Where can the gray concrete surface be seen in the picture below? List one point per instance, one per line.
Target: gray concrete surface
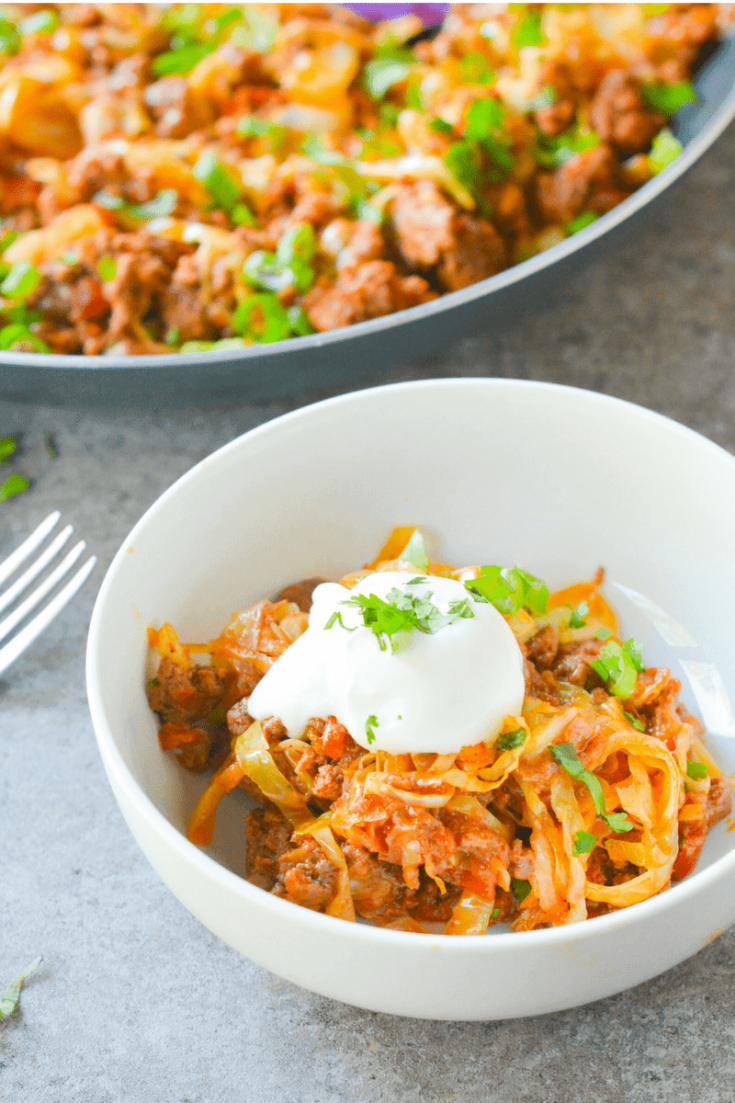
(135, 1001)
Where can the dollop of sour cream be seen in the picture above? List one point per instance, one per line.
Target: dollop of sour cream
(436, 692)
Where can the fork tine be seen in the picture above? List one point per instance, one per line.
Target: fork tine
(35, 569)
(22, 610)
(10, 652)
(29, 545)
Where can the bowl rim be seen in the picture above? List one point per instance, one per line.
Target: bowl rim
(207, 867)
(692, 151)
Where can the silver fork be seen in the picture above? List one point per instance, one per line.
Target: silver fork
(8, 567)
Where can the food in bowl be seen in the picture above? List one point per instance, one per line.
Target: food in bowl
(433, 745)
(188, 177)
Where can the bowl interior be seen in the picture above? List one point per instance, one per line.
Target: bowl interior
(554, 479)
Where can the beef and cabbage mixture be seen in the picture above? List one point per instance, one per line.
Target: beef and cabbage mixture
(595, 793)
(192, 176)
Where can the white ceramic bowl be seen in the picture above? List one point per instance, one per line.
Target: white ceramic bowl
(556, 479)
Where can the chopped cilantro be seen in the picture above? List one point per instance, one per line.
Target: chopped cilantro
(603, 633)
(417, 581)
(370, 725)
(21, 281)
(461, 609)
(415, 551)
(440, 126)
(634, 721)
(173, 336)
(667, 98)
(107, 267)
(401, 613)
(9, 998)
(665, 148)
(697, 771)
(336, 618)
(70, 257)
(51, 445)
(495, 913)
(566, 756)
(584, 842)
(619, 666)
(581, 222)
(618, 821)
(520, 889)
(578, 615)
(220, 181)
(509, 589)
(527, 31)
(511, 740)
(14, 484)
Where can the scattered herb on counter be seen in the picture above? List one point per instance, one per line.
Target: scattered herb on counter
(9, 999)
(13, 486)
(51, 445)
(7, 448)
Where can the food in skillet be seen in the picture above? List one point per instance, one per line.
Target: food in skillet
(442, 746)
(193, 176)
